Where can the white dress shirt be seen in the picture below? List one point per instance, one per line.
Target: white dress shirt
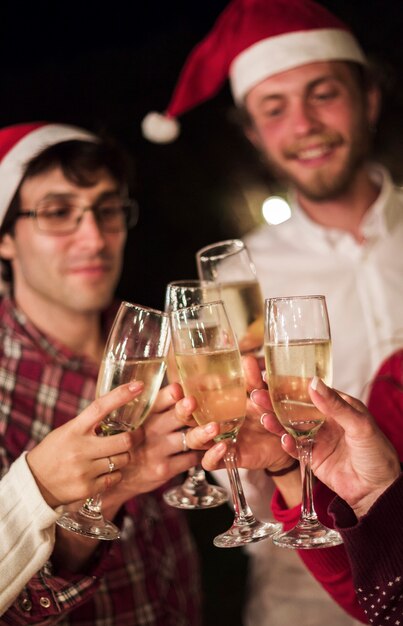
(363, 283)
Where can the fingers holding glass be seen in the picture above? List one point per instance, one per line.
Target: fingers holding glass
(136, 348)
(229, 265)
(209, 366)
(195, 492)
(298, 348)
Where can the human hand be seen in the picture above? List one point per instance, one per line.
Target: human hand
(160, 455)
(255, 448)
(71, 463)
(351, 455)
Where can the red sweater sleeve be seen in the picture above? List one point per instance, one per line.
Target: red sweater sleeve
(330, 566)
(386, 400)
(376, 568)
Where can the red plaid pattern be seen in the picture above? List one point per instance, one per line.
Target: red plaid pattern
(149, 577)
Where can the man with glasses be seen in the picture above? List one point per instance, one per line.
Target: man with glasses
(65, 212)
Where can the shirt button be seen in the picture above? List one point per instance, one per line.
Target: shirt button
(26, 604)
(45, 602)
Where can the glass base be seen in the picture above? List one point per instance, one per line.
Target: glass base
(95, 527)
(308, 535)
(241, 534)
(189, 497)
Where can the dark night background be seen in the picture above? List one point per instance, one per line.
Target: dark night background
(104, 69)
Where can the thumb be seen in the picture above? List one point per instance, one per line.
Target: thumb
(184, 409)
(101, 407)
(253, 375)
(347, 412)
(198, 438)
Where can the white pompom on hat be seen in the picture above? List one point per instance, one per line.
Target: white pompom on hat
(160, 128)
(21, 143)
(250, 41)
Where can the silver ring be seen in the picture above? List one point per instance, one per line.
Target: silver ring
(185, 447)
(111, 464)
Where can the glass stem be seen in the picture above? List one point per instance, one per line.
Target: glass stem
(304, 447)
(197, 473)
(92, 507)
(195, 483)
(243, 514)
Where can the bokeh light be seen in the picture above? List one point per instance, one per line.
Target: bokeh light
(276, 210)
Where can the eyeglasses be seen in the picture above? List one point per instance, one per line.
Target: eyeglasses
(60, 217)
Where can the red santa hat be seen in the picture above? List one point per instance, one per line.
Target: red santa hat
(250, 41)
(21, 143)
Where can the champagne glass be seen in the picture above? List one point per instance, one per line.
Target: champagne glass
(297, 348)
(209, 364)
(195, 492)
(136, 348)
(229, 264)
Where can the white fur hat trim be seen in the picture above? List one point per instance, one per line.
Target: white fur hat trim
(13, 165)
(287, 51)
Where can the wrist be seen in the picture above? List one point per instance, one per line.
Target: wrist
(284, 470)
(289, 485)
(49, 498)
(362, 506)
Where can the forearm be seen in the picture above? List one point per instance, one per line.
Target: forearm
(74, 552)
(26, 530)
(47, 598)
(289, 485)
(55, 586)
(55, 591)
(375, 548)
(330, 566)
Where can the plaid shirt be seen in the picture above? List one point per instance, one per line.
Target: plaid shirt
(150, 576)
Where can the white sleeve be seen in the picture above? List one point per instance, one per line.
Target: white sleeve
(27, 530)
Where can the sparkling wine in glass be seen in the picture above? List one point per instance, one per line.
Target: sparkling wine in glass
(297, 348)
(229, 264)
(137, 348)
(195, 492)
(209, 364)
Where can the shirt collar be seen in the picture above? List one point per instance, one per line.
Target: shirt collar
(376, 223)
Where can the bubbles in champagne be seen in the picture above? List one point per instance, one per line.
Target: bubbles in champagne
(114, 373)
(244, 304)
(216, 380)
(290, 369)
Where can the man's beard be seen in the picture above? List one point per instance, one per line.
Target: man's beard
(325, 184)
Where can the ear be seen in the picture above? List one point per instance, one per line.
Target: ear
(7, 247)
(252, 135)
(373, 105)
